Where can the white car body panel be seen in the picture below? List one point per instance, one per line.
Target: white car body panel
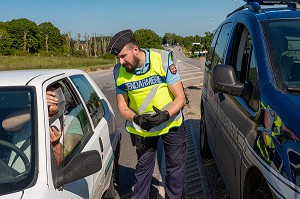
(44, 188)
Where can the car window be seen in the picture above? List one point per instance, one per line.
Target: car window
(285, 52)
(91, 99)
(73, 122)
(17, 138)
(245, 63)
(218, 56)
(212, 45)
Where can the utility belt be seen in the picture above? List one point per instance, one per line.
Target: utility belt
(144, 143)
(147, 143)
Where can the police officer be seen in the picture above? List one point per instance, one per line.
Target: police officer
(150, 97)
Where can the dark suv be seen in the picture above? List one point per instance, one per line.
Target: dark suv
(250, 104)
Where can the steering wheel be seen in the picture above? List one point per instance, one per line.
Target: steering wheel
(18, 152)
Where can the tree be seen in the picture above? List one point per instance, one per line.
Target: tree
(87, 38)
(167, 39)
(67, 46)
(196, 48)
(187, 42)
(206, 40)
(24, 34)
(148, 39)
(5, 43)
(95, 45)
(51, 37)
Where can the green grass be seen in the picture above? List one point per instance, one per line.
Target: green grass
(31, 62)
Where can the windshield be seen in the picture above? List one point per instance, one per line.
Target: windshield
(283, 42)
(16, 138)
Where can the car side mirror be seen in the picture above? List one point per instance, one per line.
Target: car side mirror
(82, 165)
(224, 80)
(208, 64)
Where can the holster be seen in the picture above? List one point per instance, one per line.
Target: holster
(144, 143)
(133, 141)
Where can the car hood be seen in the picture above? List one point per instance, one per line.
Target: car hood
(15, 195)
(295, 100)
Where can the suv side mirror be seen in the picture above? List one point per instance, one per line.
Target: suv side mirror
(82, 165)
(208, 64)
(224, 80)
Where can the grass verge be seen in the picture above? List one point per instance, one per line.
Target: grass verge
(30, 62)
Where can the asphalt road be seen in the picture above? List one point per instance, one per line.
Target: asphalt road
(197, 185)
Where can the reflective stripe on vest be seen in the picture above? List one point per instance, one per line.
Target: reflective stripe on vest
(149, 89)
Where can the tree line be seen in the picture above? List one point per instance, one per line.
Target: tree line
(25, 37)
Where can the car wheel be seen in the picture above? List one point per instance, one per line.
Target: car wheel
(114, 181)
(111, 192)
(116, 166)
(262, 193)
(204, 148)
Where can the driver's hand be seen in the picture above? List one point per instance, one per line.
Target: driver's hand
(55, 135)
(52, 103)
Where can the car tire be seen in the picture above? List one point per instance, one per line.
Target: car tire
(111, 192)
(114, 181)
(116, 172)
(262, 193)
(204, 148)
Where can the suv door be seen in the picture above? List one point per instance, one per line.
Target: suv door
(216, 55)
(234, 111)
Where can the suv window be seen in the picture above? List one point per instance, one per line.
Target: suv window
(285, 52)
(213, 45)
(73, 121)
(90, 97)
(245, 63)
(218, 56)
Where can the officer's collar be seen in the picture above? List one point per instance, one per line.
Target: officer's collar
(145, 68)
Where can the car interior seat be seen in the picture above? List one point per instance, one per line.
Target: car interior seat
(286, 62)
(14, 121)
(18, 124)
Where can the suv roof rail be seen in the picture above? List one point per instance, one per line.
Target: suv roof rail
(271, 2)
(250, 6)
(255, 5)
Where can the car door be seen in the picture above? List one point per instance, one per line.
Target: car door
(77, 137)
(215, 54)
(234, 111)
(100, 115)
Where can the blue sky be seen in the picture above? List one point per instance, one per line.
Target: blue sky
(106, 17)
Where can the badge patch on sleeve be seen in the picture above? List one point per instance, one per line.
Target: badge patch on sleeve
(173, 69)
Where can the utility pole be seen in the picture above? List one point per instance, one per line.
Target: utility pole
(234, 3)
(25, 41)
(46, 43)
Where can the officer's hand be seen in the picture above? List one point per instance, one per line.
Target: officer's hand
(158, 118)
(141, 120)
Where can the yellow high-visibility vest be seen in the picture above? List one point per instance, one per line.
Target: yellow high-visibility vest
(149, 89)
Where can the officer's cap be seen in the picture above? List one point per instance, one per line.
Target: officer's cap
(119, 40)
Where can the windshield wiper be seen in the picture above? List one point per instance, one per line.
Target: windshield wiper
(295, 89)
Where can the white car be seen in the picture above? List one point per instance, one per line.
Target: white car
(90, 141)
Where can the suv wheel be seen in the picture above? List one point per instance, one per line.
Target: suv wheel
(262, 193)
(204, 148)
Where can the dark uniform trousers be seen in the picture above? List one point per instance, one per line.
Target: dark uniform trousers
(175, 153)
